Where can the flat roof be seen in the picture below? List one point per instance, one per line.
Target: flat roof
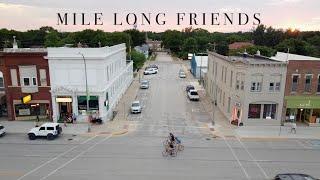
(25, 50)
(248, 59)
(281, 56)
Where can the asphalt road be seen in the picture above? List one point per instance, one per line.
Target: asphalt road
(137, 155)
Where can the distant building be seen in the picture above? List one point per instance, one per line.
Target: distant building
(198, 64)
(247, 89)
(154, 45)
(239, 45)
(144, 49)
(302, 91)
(108, 74)
(27, 83)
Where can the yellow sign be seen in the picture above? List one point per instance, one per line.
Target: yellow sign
(26, 99)
(63, 99)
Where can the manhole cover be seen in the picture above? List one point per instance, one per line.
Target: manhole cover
(73, 135)
(208, 139)
(70, 139)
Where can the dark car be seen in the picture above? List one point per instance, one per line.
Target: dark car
(189, 87)
(294, 176)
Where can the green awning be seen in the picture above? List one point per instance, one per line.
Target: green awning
(306, 102)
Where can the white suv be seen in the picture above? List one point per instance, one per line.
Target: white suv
(2, 130)
(49, 130)
(193, 95)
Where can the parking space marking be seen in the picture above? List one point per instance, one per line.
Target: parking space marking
(76, 157)
(51, 160)
(236, 157)
(254, 160)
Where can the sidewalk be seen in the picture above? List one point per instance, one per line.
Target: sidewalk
(278, 132)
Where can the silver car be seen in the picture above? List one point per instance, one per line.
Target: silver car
(144, 84)
(135, 107)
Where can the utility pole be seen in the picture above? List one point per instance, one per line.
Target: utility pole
(87, 91)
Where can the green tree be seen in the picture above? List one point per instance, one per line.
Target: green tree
(138, 38)
(138, 59)
(190, 45)
(52, 39)
(296, 46)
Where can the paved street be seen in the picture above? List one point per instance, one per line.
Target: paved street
(137, 154)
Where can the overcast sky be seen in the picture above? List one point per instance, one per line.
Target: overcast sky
(32, 14)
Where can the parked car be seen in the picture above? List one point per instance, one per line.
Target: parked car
(49, 130)
(294, 176)
(193, 95)
(182, 74)
(144, 84)
(153, 66)
(135, 107)
(189, 87)
(2, 130)
(150, 71)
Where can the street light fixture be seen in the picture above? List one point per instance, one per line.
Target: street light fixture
(87, 91)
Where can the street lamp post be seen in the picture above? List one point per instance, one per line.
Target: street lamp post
(87, 91)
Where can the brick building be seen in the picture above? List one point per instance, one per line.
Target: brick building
(26, 75)
(302, 92)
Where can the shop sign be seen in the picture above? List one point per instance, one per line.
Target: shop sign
(26, 99)
(24, 112)
(63, 99)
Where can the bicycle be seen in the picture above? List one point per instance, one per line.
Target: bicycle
(169, 151)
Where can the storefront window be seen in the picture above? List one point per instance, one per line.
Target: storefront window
(30, 109)
(254, 111)
(269, 111)
(93, 104)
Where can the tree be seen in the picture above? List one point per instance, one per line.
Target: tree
(296, 46)
(138, 38)
(264, 50)
(222, 48)
(52, 39)
(173, 40)
(190, 45)
(258, 35)
(138, 59)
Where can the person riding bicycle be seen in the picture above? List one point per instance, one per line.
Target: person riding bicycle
(174, 139)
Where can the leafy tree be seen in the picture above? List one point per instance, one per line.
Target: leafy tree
(138, 59)
(222, 48)
(190, 45)
(264, 50)
(296, 46)
(52, 39)
(138, 38)
(173, 40)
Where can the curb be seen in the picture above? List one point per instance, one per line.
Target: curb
(118, 133)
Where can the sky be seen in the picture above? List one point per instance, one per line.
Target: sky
(22, 15)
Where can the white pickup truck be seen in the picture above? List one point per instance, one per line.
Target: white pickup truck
(49, 130)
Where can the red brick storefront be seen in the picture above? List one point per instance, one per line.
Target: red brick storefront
(302, 92)
(26, 72)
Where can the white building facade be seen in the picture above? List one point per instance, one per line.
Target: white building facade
(247, 89)
(108, 77)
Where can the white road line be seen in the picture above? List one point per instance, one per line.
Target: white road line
(236, 157)
(255, 161)
(47, 162)
(301, 144)
(76, 157)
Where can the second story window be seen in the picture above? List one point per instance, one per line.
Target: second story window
(255, 87)
(307, 87)
(26, 81)
(294, 84)
(274, 86)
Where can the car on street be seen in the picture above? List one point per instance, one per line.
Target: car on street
(150, 71)
(193, 95)
(189, 87)
(294, 176)
(153, 66)
(48, 130)
(2, 130)
(144, 84)
(182, 74)
(135, 107)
